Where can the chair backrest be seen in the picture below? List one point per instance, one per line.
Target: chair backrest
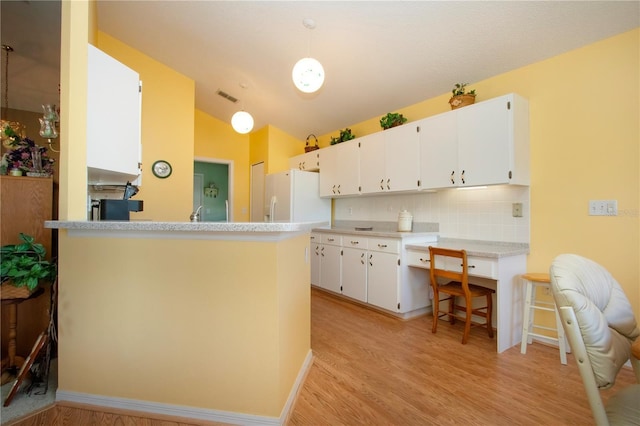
(438, 269)
(598, 321)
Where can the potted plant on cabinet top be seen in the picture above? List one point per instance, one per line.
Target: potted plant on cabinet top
(345, 135)
(23, 267)
(461, 97)
(392, 119)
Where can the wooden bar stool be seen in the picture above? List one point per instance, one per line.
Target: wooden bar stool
(531, 304)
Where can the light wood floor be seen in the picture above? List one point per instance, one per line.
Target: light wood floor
(373, 369)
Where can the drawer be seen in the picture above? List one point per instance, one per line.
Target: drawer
(332, 239)
(315, 238)
(417, 258)
(478, 266)
(386, 245)
(354, 241)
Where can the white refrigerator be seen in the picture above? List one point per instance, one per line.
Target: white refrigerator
(294, 196)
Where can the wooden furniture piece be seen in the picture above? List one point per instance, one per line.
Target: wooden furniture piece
(458, 286)
(635, 348)
(534, 281)
(25, 204)
(599, 322)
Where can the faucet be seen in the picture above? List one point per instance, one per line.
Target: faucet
(195, 216)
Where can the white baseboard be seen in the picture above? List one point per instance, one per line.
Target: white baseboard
(190, 412)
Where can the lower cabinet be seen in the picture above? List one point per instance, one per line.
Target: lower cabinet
(315, 259)
(370, 270)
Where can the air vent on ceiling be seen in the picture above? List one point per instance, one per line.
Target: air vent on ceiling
(227, 96)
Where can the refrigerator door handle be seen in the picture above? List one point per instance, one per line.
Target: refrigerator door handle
(272, 207)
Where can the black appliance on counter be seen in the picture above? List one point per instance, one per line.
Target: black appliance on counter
(119, 209)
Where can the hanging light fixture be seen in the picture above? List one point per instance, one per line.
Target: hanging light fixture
(308, 73)
(242, 121)
(48, 124)
(17, 127)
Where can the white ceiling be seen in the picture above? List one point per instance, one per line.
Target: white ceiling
(379, 56)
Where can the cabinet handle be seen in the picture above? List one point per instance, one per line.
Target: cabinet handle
(370, 263)
(382, 184)
(388, 185)
(451, 178)
(469, 266)
(382, 245)
(333, 189)
(322, 252)
(331, 239)
(354, 242)
(338, 189)
(362, 258)
(462, 177)
(424, 260)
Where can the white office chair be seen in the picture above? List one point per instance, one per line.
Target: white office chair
(598, 321)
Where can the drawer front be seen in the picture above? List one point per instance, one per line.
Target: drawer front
(355, 241)
(419, 259)
(332, 239)
(315, 238)
(385, 245)
(479, 267)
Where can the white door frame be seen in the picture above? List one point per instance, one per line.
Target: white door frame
(229, 177)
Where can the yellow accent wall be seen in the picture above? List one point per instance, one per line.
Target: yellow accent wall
(585, 138)
(168, 100)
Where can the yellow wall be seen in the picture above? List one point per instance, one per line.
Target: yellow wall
(170, 332)
(216, 139)
(282, 146)
(168, 100)
(585, 133)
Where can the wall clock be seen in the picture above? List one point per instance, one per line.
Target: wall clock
(161, 169)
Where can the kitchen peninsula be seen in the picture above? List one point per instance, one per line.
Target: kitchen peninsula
(199, 320)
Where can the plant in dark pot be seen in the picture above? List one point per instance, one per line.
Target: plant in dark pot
(23, 267)
(345, 135)
(392, 119)
(460, 97)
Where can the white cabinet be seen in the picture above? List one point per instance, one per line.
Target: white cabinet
(354, 267)
(315, 246)
(331, 262)
(340, 174)
(113, 99)
(389, 160)
(383, 275)
(309, 161)
(493, 142)
(482, 144)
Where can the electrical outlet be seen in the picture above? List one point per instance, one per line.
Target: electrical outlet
(516, 209)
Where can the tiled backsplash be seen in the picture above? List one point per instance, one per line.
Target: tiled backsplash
(477, 214)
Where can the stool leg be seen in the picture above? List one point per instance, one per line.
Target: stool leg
(526, 321)
(562, 344)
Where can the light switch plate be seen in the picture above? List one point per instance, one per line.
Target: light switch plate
(516, 209)
(603, 207)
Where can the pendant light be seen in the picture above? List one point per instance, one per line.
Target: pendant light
(308, 73)
(17, 127)
(242, 121)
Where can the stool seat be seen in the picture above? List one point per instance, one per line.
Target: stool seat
(532, 281)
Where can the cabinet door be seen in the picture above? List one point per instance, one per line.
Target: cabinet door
(309, 161)
(439, 151)
(372, 163)
(402, 167)
(330, 267)
(383, 278)
(113, 99)
(315, 262)
(485, 143)
(354, 273)
(340, 173)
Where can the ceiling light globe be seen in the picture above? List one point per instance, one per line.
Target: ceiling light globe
(308, 75)
(242, 122)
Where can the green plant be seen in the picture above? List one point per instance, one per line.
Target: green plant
(392, 119)
(345, 135)
(460, 89)
(25, 264)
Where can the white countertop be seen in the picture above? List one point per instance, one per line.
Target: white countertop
(493, 249)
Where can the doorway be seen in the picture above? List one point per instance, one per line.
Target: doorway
(257, 192)
(213, 189)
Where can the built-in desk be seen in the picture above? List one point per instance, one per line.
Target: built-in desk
(493, 265)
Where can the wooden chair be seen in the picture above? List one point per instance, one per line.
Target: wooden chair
(457, 286)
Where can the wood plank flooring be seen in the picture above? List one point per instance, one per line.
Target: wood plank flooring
(373, 369)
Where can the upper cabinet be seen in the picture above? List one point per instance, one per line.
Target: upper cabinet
(389, 160)
(340, 173)
(483, 144)
(113, 102)
(309, 161)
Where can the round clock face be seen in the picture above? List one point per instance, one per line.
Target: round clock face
(161, 169)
